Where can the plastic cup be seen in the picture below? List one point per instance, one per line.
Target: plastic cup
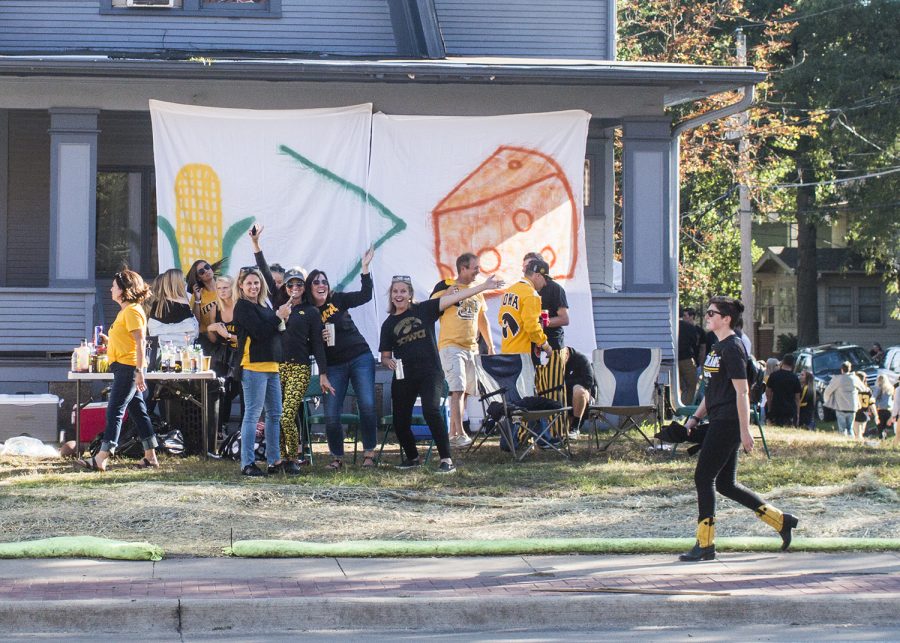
(207, 362)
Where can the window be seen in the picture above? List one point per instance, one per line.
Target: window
(765, 307)
(203, 8)
(787, 305)
(854, 305)
(126, 221)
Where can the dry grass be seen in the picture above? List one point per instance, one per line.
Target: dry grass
(191, 507)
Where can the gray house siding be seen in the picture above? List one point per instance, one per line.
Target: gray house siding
(533, 28)
(28, 217)
(342, 27)
(623, 319)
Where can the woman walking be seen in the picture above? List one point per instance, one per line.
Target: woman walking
(259, 348)
(126, 350)
(727, 405)
(349, 360)
(883, 395)
(408, 335)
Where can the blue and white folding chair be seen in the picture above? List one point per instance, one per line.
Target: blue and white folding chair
(626, 388)
(507, 380)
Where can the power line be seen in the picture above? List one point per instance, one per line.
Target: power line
(779, 186)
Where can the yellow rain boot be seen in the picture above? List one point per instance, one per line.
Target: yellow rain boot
(705, 547)
(781, 522)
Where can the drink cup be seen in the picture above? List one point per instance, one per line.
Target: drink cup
(398, 369)
(207, 362)
(330, 329)
(545, 318)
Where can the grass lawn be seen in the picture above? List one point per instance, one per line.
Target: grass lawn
(194, 507)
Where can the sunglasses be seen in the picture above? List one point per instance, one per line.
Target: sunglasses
(295, 284)
(319, 282)
(247, 269)
(202, 270)
(713, 313)
(403, 278)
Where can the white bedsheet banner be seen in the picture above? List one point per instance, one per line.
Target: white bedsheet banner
(499, 187)
(326, 183)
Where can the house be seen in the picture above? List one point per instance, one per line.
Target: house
(853, 306)
(76, 162)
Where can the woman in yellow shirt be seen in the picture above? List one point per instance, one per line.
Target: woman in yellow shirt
(125, 348)
(259, 344)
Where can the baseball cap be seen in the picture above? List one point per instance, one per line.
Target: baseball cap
(540, 267)
(294, 273)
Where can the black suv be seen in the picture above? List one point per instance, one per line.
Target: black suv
(825, 361)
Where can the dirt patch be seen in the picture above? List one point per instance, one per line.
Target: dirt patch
(201, 518)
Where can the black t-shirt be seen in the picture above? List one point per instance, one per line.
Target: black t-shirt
(410, 337)
(553, 297)
(785, 387)
(726, 361)
(173, 312)
(689, 338)
(579, 371)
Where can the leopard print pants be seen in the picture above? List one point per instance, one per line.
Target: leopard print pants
(294, 382)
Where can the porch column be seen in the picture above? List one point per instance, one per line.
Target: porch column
(73, 196)
(648, 241)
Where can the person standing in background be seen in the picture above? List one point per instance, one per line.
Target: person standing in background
(784, 394)
(689, 339)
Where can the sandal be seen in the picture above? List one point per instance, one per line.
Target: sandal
(146, 464)
(369, 462)
(335, 465)
(90, 465)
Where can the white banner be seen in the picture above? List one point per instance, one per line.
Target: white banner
(436, 187)
(499, 187)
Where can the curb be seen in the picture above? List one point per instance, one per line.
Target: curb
(575, 611)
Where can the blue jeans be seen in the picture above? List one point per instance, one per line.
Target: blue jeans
(360, 371)
(123, 394)
(845, 421)
(261, 391)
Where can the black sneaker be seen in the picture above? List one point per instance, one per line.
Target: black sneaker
(409, 464)
(446, 467)
(286, 466)
(252, 471)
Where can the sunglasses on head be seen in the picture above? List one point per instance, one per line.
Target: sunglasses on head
(402, 278)
(247, 269)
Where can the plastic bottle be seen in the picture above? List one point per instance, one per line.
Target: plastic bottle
(84, 357)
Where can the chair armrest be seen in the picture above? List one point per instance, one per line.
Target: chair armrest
(499, 391)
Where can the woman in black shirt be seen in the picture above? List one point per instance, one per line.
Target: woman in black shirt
(727, 404)
(349, 359)
(408, 334)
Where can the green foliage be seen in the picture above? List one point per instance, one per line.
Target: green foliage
(786, 343)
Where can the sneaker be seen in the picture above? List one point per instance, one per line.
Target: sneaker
(461, 441)
(574, 435)
(409, 464)
(446, 467)
(287, 467)
(253, 471)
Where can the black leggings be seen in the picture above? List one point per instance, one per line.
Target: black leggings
(403, 396)
(717, 470)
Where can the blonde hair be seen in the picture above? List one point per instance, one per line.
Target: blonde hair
(883, 385)
(263, 295)
(771, 366)
(169, 286)
(412, 294)
(230, 280)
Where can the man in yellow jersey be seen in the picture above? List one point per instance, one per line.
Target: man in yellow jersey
(461, 325)
(520, 311)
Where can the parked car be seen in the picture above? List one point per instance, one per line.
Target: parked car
(825, 362)
(891, 364)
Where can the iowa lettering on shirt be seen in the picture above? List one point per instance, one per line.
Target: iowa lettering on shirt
(510, 299)
(330, 310)
(711, 365)
(409, 330)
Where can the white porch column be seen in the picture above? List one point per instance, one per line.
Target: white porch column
(73, 196)
(646, 227)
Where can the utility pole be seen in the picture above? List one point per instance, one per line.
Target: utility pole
(745, 215)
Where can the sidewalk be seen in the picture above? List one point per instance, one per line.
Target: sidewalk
(235, 595)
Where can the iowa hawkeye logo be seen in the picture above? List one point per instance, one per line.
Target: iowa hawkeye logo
(509, 326)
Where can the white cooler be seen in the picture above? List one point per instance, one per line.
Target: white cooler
(32, 414)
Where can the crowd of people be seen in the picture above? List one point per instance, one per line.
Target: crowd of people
(264, 327)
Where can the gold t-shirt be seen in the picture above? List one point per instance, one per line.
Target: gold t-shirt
(459, 322)
(258, 367)
(207, 313)
(121, 347)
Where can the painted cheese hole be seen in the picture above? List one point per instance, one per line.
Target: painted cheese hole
(522, 219)
(489, 259)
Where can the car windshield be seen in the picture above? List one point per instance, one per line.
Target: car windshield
(830, 361)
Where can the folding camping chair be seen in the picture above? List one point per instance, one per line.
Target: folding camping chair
(626, 388)
(508, 380)
(313, 412)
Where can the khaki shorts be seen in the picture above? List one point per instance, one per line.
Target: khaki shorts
(459, 369)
